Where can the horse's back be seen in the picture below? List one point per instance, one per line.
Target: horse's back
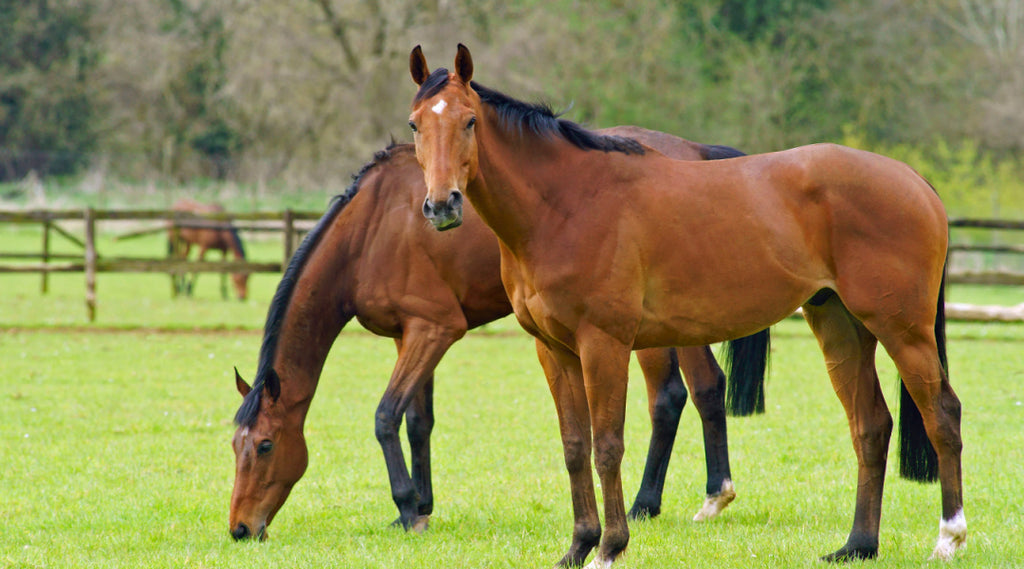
(193, 206)
(779, 226)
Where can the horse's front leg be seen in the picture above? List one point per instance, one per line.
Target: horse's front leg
(420, 349)
(605, 364)
(224, 279)
(190, 288)
(707, 386)
(419, 423)
(565, 379)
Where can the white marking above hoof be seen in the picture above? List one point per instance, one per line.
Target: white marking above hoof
(715, 503)
(952, 536)
(599, 563)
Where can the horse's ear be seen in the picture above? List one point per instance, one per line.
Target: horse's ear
(418, 66)
(464, 64)
(240, 383)
(272, 384)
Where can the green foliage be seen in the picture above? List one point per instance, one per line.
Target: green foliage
(971, 182)
(755, 19)
(48, 109)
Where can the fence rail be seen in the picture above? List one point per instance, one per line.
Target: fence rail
(290, 224)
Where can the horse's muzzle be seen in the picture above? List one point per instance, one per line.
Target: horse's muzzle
(444, 215)
(242, 532)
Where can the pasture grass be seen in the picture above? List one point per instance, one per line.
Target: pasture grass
(114, 446)
(115, 452)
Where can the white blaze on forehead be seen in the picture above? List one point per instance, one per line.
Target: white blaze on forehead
(439, 107)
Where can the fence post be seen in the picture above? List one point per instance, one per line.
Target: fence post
(45, 284)
(289, 236)
(90, 263)
(174, 250)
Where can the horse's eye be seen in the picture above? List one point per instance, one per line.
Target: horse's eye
(264, 447)
(412, 125)
(472, 121)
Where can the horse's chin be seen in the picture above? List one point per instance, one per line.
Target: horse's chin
(447, 223)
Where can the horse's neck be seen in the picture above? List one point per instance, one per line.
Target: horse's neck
(235, 249)
(508, 193)
(316, 313)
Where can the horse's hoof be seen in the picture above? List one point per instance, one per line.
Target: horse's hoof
(643, 513)
(599, 563)
(952, 536)
(715, 503)
(845, 555)
(421, 524)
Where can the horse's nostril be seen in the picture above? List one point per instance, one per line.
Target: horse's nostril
(241, 532)
(455, 199)
(428, 210)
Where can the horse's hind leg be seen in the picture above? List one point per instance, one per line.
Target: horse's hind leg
(915, 353)
(849, 350)
(666, 396)
(707, 386)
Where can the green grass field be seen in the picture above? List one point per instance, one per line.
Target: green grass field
(115, 447)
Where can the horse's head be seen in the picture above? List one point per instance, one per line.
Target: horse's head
(270, 457)
(241, 283)
(443, 120)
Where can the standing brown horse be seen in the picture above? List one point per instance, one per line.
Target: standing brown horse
(181, 239)
(607, 247)
(372, 257)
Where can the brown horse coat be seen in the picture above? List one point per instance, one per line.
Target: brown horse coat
(609, 247)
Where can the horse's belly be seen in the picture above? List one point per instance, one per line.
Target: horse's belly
(698, 315)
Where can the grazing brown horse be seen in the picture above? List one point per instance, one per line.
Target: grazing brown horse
(372, 257)
(181, 239)
(607, 247)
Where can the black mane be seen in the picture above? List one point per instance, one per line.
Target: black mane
(540, 120)
(250, 408)
(537, 118)
(436, 81)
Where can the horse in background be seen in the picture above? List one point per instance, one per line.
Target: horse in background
(225, 239)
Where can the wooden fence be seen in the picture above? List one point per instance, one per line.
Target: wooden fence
(291, 224)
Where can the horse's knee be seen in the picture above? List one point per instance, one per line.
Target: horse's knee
(385, 425)
(608, 451)
(576, 452)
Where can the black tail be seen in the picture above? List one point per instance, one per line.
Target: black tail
(918, 460)
(747, 361)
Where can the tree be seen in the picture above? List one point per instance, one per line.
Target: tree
(47, 106)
